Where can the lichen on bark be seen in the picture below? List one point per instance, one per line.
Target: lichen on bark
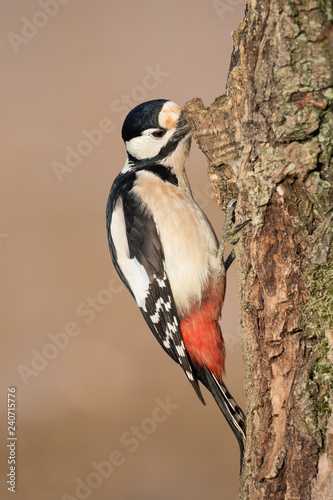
(268, 141)
(317, 316)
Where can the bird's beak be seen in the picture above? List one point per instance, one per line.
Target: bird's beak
(183, 127)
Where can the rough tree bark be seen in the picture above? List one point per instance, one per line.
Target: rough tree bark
(269, 141)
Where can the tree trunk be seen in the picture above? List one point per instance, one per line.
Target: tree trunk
(269, 141)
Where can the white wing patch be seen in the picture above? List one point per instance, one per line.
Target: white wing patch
(133, 271)
(171, 329)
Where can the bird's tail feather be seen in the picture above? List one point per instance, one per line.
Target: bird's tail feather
(230, 409)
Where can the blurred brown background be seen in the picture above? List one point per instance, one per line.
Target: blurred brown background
(86, 369)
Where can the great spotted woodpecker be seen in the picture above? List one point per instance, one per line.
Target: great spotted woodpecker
(166, 252)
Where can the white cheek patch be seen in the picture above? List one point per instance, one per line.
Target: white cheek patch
(133, 271)
(146, 146)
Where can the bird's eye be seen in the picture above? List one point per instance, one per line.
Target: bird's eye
(158, 134)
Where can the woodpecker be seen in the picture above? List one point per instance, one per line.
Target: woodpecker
(166, 252)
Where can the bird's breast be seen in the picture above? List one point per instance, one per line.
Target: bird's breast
(188, 241)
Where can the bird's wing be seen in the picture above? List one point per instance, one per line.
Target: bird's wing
(139, 259)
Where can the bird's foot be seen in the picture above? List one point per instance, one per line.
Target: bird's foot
(230, 230)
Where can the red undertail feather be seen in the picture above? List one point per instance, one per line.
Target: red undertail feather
(202, 334)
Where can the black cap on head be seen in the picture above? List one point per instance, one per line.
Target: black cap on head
(142, 117)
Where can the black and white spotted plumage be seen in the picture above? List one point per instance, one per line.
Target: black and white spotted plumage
(145, 249)
(166, 252)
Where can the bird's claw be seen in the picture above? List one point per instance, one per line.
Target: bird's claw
(230, 230)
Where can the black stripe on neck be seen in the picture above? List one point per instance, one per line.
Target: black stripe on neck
(162, 172)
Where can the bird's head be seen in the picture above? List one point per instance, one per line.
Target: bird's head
(156, 131)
